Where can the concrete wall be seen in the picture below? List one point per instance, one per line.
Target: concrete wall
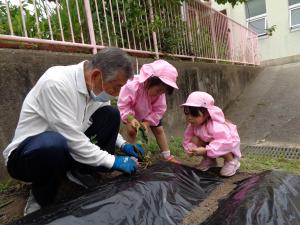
(20, 69)
(281, 61)
(283, 42)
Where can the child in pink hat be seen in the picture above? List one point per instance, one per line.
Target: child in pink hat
(209, 135)
(144, 98)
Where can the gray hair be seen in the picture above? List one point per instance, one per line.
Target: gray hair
(110, 61)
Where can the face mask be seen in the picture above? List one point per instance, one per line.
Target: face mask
(102, 97)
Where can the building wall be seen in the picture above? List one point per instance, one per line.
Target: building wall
(283, 42)
(20, 69)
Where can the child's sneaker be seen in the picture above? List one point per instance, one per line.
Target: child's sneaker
(172, 159)
(230, 167)
(207, 163)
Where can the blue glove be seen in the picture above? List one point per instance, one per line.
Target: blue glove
(136, 150)
(124, 164)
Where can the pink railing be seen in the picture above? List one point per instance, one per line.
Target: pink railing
(215, 36)
(189, 30)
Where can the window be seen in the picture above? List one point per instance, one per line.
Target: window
(256, 16)
(294, 14)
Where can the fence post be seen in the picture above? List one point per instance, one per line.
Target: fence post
(153, 32)
(231, 41)
(189, 28)
(90, 25)
(244, 46)
(257, 55)
(9, 19)
(252, 49)
(213, 33)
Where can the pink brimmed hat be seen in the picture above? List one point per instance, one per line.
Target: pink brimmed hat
(161, 69)
(203, 99)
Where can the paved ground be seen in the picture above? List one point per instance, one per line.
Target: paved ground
(268, 111)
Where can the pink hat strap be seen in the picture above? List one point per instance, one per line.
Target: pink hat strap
(216, 114)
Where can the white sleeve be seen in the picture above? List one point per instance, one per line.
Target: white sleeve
(120, 141)
(56, 102)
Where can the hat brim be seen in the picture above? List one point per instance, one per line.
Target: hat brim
(215, 112)
(143, 77)
(169, 83)
(189, 104)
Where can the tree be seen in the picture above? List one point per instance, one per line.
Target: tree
(232, 2)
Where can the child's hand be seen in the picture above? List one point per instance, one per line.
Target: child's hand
(190, 153)
(135, 124)
(146, 125)
(199, 151)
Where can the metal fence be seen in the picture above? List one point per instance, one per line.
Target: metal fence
(190, 29)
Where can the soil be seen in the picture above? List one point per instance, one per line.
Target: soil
(12, 204)
(210, 204)
(13, 201)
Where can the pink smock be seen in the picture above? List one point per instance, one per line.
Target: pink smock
(221, 135)
(134, 100)
(222, 138)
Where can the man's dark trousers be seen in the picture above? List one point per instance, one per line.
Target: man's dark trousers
(44, 159)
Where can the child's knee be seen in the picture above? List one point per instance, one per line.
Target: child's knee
(158, 130)
(197, 141)
(228, 157)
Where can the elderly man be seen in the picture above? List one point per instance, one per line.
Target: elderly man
(67, 106)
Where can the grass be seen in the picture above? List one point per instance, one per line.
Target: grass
(175, 144)
(252, 163)
(249, 163)
(11, 185)
(5, 186)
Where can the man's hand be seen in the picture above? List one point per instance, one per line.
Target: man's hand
(134, 150)
(124, 164)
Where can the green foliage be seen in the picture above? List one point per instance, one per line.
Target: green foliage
(232, 2)
(141, 136)
(5, 186)
(93, 139)
(151, 146)
(249, 162)
(128, 28)
(122, 23)
(10, 185)
(271, 30)
(208, 45)
(175, 145)
(114, 101)
(42, 30)
(254, 163)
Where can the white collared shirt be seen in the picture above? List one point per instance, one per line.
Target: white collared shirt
(60, 102)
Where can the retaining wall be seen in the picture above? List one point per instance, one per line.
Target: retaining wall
(20, 69)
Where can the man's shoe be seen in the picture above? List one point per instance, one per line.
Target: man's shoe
(84, 180)
(31, 205)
